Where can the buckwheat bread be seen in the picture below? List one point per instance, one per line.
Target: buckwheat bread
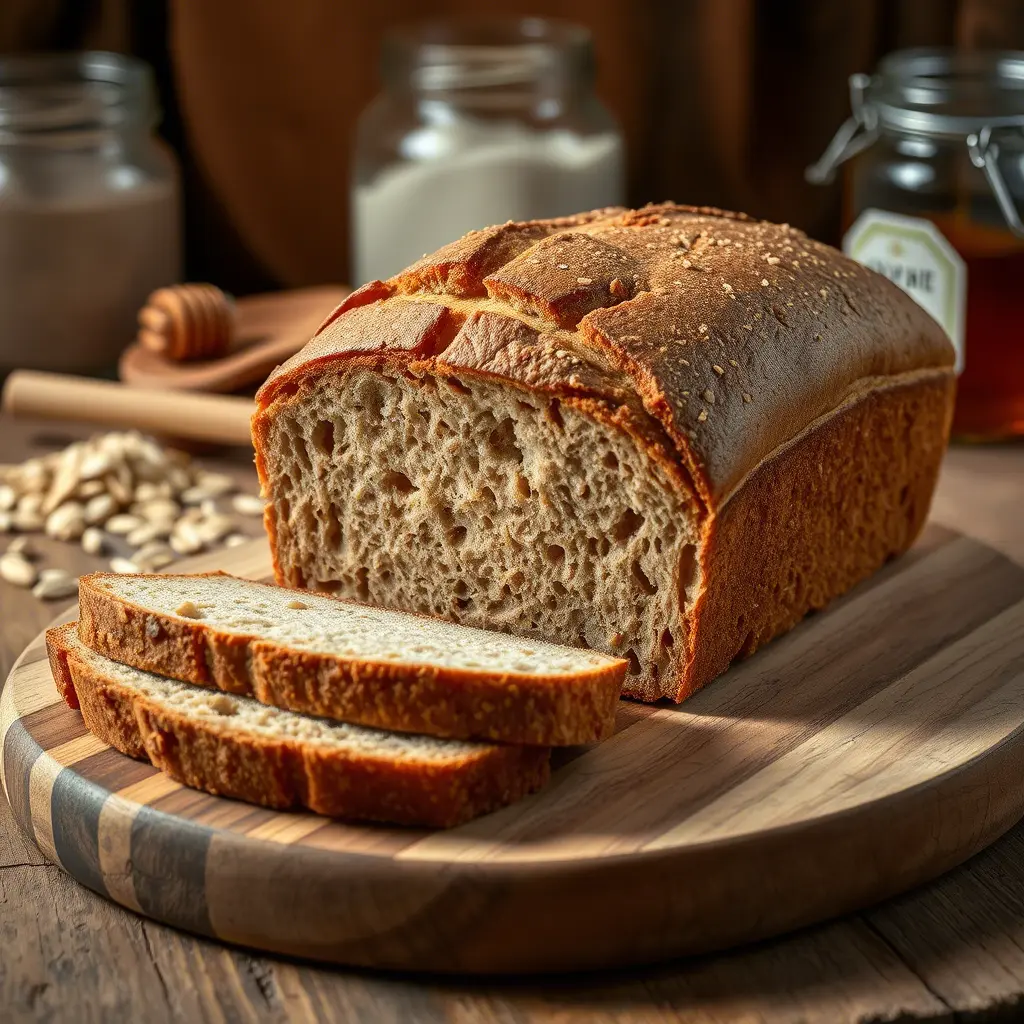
(666, 433)
(234, 746)
(321, 656)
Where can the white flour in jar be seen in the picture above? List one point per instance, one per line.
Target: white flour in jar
(482, 177)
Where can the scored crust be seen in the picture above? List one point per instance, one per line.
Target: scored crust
(735, 352)
(434, 700)
(284, 773)
(694, 310)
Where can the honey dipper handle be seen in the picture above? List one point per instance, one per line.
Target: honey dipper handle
(215, 418)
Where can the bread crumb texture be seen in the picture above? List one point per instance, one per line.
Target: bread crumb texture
(247, 609)
(473, 503)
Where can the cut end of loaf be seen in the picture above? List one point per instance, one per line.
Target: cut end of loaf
(484, 503)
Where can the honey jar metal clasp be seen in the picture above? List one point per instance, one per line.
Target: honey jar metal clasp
(984, 154)
(912, 95)
(855, 134)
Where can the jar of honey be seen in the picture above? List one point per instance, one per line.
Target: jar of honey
(933, 197)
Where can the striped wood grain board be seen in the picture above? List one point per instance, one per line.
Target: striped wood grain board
(875, 746)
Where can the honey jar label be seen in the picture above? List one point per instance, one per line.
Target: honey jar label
(915, 255)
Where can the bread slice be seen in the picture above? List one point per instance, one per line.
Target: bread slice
(234, 746)
(322, 656)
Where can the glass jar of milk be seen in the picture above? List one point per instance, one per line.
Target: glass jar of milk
(480, 122)
(89, 208)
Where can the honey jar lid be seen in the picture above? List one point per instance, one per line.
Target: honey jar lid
(976, 97)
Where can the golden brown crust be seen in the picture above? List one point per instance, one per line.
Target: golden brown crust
(500, 346)
(545, 280)
(419, 698)
(815, 521)
(107, 712)
(736, 334)
(461, 267)
(285, 773)
(406, 329)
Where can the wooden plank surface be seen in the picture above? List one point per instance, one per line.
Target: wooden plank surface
(950, 948)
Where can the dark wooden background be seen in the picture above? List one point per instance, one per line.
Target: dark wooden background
(721, 101)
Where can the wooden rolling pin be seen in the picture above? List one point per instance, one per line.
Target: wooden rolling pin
(216, 418)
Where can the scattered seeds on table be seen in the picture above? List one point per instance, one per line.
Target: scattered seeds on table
(214, 528)
(99, 508)
(21, 546)
(147, 551)
(123, 565)
(31, 503)
(123, 524)
(247, 504)
(89, 489)
(157, 509)
(148, 532)
(148, 490)
(217, 484)
(17, 570)
(185, 539)
(27, 521)
(66, 522)
(59, 584)
(119, 485)
(93, 541)
(115, 485)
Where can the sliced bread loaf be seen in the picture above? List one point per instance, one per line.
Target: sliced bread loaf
(322, 656)
(234, 746)
(665, 433)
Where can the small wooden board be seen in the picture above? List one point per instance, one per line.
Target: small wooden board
(872, 748)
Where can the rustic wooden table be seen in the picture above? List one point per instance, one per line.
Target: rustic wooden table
(951, 951)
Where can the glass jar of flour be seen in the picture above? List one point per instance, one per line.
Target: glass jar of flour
(480, 122)
(89, 208)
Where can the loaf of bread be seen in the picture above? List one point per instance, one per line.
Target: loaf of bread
(665, 434)
(314, 654)
(234, 746)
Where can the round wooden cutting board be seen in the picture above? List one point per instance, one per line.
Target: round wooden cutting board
(872, 748)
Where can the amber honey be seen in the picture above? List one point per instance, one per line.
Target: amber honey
(938, 136)
(990, 391)
(990, 388)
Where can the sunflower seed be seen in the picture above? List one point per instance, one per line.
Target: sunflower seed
(247, 505)
(17, 570)
(123, 524)
(55, 584)
(93, 541)
(125, 565)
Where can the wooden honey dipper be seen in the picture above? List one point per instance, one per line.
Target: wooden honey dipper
(188, 321)
(194, 337)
